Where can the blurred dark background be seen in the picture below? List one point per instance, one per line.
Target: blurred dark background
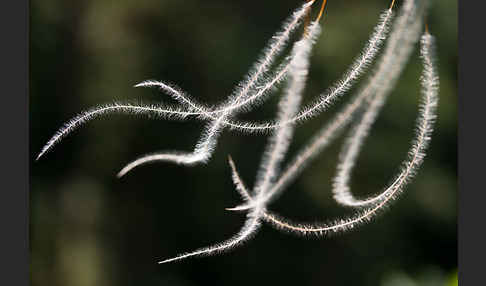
(89, 228)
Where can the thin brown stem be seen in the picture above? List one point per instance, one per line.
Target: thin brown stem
(322, 10)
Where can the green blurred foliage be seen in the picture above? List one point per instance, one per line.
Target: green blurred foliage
(88, 228)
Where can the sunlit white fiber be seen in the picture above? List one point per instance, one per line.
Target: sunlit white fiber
(175, 92)
(394, 63)
(425, 122)
(294, 68)
(249, 229)
(280, 140)
(348, 156)
(251, 226)
(275, 46)
(201, 153)
(254, 79)
(240, 186)
(357, 68)
(208, 140)
(396, 53)
(83, 117)
(344, 84)
(288, 107)
(205, 113)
